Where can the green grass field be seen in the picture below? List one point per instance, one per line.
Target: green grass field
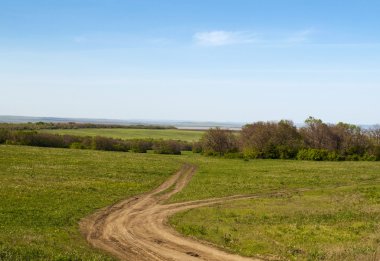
(45, 192)
(185, 135)
(322, 211)
(336, 217)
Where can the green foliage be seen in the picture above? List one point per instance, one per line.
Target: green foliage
(335, 156)
(45, 192)
(376, 152)
(3, 135)
(197, 147)
(77, 145)
(141, 146)
(368, 157)
(313, 154)
(167, 147)
(216, 141)
(270, 140)
(33, 138)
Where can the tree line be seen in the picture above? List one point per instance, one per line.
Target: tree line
(283, 140)
(316, 140)
(34, 138)
(76, 125)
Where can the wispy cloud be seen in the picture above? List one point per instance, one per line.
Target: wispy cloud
(220, 38)
(300, 36)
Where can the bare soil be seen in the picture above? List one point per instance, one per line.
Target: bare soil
(137, 229)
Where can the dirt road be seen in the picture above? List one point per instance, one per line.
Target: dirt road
(136, 229)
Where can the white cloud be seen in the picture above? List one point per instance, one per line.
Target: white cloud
(220, 38)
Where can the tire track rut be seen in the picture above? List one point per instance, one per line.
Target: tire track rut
(136, 228)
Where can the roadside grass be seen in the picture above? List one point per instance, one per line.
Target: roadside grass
(337, 217)
(45, 192)
(173, 134)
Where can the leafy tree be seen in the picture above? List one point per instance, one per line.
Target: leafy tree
(218, 141)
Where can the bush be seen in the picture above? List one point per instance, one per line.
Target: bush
(32, 138)
(250, 153)
(376, 152)
(167, 147)
(286, 152)
(110, 144)
(3, 136)
(335, 156)
(76, 145)
(368, 157)
(313, 154)
(197, 147)
(185, 146)
(141, 146)
(102, 143)
(218, 141)
(234, 155)
(353, 157)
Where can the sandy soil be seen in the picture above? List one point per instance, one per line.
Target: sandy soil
(136, 229)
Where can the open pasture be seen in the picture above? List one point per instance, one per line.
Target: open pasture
(172, 134)
(303, 210)
(45, 192)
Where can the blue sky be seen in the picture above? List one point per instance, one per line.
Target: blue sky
(205, 60)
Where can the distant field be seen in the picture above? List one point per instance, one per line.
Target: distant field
(45, 192)
(186, 135)
(323, 210)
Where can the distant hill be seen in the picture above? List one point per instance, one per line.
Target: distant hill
(177, 124)
(196, 125)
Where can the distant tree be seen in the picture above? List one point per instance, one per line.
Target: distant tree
(218, 141)
(270, 140)
(350, 139)
(374, 134)
(318, 135)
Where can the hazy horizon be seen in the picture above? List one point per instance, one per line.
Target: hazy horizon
(175, 122)
(202, 60)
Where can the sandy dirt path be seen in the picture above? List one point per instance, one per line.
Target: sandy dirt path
(136, 229)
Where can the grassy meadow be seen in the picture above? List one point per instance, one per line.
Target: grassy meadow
(174, 134)
(323, 211)
(45, 192)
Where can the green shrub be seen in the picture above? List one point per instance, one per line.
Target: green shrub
(286, 152)
(197, 147)
(353, 157)
(102, 143)
(313, 154)
(368, 157)
(77, 145)
(167, 147)
(251, 153)
(3, 136)
(233, 155)
(141, 146)
(376, 152)
(335, 156)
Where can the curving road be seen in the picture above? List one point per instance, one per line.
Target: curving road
(136, 229)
